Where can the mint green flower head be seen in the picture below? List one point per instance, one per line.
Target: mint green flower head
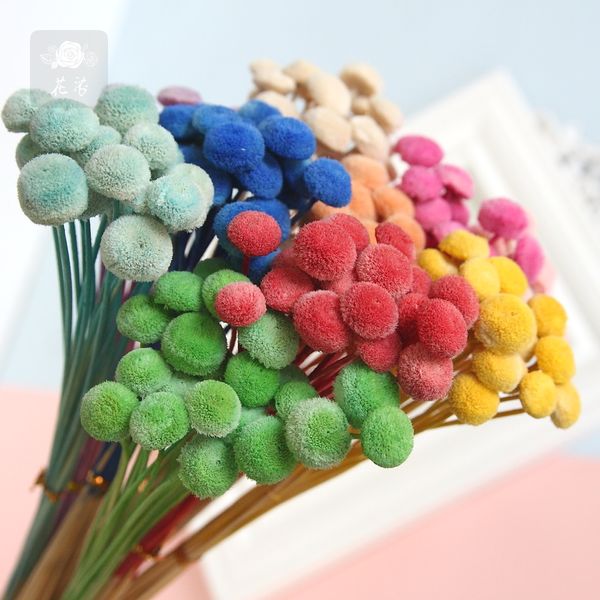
(290, 394)
(214, 283)
(141, 320)
(180, 291)
(261, 451)
(213, 407)
(143, 371)
(317, 433)
(207, 467)
(272, 340)
(211, 265)
(387, 436)
(52, 189)
(254, 383)
(177, 202)
(156, 144)
(200, 177)
(194, 343)
(123, 106)
(158, 421)
(97, 205)
(118, 171)
(180, 384)
(359, 390)
(21, 106)
(136, 247)
(26, 150)
(106, 409)
(106, 136)
(63, 125)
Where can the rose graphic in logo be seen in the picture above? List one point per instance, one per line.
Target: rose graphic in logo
(69, 55)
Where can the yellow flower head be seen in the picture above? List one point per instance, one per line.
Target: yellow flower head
(462, 245)
(568, 406)
(538, 394)
(436, 263)
(550, 315)
(500, 372)
(555, 357)
(506, 324)
(471, 401)
(512, 278)
(482, 275)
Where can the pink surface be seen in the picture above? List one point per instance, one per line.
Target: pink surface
(534, 534)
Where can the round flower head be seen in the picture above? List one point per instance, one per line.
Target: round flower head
(234, 146)
(389, 201)
(213, 407)
(207, 116)
(482, 275)
(568, 406)
(412, 227)
(435, 263)
(254, 233)
(290, 394)
(538, 394)
(457, 181)
(104, 137)
(324, 251)
(288, 137)
(380, 355)
(179, 95)
(207, 467)
(261, 451)
(20, 108)
(247, 416)
(369, 310)
(180, 384)
(512, 278)
(256, 111)
(240, 304)
(141, 320)
(421, 280)
(106, 409)
(272, 340)
(194, 343)
(419, 150)
(156, 144)
(387, 437)
(361, 203)
(26, 150)
(214, 283)
(392, 235)
(422, 375)
(555, 357)
(500, 372)
(421, 184)
(222, 182)
(282, 286)
(385, 266)
(441, 328)
(264, 179)
(318, 320)
(529, 256)
(180, 291)
(368, 171)
(118, 171)
(457, 291)
(431, 212)
(254, 383)
(136, 247)
(462, 245)
(503, 218)
(63, 125)
(211, 265)
(317, 433)
(52, 189)
(471, 401)
(143, 371)
(352, 227)
(408, 309)
(123, 106)
(292, 373)
(506, 324)
(326, 180)
(97, 205)
(550, 316)
(177, 120)
(359, 390)
(158, 421)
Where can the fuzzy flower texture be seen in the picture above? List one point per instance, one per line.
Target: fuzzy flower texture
(343, 342)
